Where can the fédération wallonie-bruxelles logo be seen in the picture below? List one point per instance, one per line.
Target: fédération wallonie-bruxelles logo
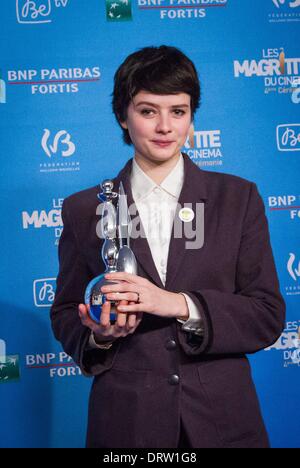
(59, 149)
(288, 344)
(284, 11)
(292, 288)
(290, 3)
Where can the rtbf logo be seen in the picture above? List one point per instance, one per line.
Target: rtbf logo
(44, 292)
(288, 137)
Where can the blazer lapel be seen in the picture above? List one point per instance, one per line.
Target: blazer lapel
(194, 190)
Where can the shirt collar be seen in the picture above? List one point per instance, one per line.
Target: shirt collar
(142, 185)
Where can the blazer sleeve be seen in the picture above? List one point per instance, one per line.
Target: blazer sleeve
(252, 317)
(72, 280)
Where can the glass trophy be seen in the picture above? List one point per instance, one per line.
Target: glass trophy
(116, 252)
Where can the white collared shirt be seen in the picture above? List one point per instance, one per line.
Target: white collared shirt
(156, 205)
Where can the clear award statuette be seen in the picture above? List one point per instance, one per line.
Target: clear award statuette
(116, 252)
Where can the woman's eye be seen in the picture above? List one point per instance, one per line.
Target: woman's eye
(147, 112)
(179, 112)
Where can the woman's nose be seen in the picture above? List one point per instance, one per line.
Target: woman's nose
(164, 124)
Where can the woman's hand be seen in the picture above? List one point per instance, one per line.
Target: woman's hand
(104, 331)
(143, 296)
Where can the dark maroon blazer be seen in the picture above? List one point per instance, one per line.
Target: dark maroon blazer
(160, 374)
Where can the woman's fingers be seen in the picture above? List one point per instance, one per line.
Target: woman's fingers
(133, 320)
(125, 323)
(105, 315)
(121, 317)
(84, 315)
(127, 277)
(122, 286)
(128, 296)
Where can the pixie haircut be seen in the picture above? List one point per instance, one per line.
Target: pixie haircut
(158, 70)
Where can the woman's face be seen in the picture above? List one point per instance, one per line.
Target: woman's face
(158, 125)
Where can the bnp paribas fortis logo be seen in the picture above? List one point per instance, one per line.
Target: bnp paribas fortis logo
(9, 365)
(118, 10)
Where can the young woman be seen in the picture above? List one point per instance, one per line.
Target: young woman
(172, 370)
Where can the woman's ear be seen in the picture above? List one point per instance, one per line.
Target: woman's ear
(124, 125)
(191, 135)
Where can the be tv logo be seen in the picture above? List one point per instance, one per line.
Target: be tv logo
(37, 11)
(44, 292)
(288, 137)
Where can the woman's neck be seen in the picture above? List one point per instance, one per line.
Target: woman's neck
(157, 170)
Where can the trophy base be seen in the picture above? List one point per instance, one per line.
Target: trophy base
(95, 299)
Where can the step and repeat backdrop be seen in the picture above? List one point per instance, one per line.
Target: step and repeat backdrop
(58, 135)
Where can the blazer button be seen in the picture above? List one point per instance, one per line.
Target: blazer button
(174, 379)
(170, 344)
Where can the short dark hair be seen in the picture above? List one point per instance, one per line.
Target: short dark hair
(158, 70)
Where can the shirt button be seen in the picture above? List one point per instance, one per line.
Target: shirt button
(170, 344)
(174, 379)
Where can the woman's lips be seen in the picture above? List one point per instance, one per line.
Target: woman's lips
(162, 143)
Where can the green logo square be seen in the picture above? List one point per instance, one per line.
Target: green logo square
(9, 368)
(118, 10)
